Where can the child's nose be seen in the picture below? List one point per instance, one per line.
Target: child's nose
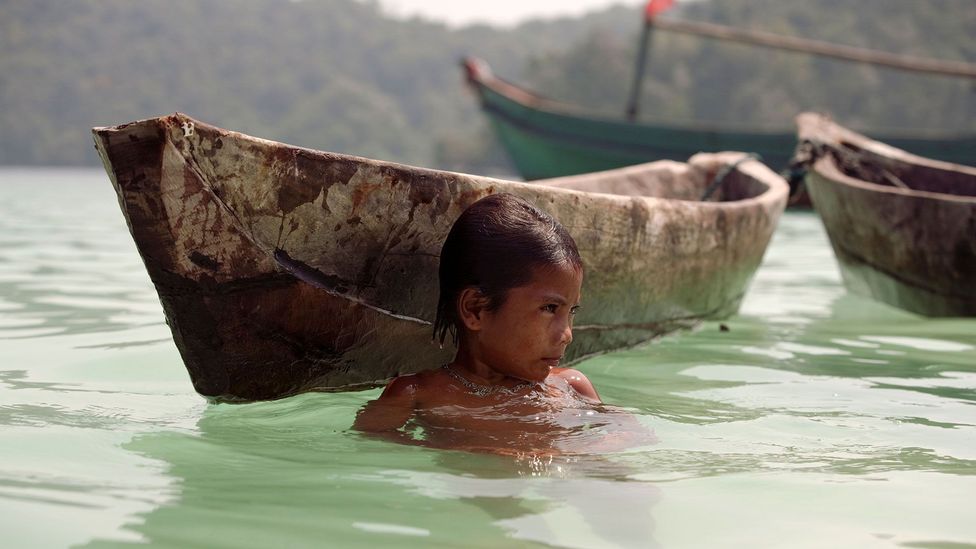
(566, 336)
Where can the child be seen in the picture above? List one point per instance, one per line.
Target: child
(510, 280)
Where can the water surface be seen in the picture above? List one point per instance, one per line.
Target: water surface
(818, 419)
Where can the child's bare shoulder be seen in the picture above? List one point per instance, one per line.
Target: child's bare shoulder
(569, 374)
(402, 395)
(405, 386)
(577, 381)
(414, 386)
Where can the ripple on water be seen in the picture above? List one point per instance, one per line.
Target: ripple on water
(921, 343)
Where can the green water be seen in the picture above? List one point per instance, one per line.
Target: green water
(819, 419)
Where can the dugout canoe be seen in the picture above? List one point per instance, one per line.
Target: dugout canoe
(282, 269)
(546, 138)
(903, 227)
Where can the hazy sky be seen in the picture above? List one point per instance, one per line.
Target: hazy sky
(497, 12)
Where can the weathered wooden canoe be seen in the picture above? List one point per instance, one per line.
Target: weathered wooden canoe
(545, 138)
(903, 227)
(282, 269)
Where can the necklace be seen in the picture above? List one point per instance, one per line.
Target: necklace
(485, 390)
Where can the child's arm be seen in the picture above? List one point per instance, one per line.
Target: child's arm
(392, 410)
(579, 382)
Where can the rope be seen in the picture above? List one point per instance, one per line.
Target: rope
(795, 173)
(849, 161)
(724, 172)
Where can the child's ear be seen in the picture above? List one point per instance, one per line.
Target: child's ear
(471, 307)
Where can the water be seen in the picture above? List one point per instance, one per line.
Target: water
(819, 419)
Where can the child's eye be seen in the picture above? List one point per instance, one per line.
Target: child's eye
(550, 308)
(575, 309)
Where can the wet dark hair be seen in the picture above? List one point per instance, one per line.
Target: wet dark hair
(494, 246)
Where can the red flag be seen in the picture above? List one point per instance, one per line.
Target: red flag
(655, 7)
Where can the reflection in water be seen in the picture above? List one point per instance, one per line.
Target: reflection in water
(568, 507)
(245, 464)
(921, 343)
(534, 427)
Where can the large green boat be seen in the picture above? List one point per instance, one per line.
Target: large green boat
(545, 138)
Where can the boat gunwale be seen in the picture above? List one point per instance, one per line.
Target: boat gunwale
(481, 75)
(821, 131)
(484, 77)
(531, 100)
(774, 184)
(827, 168)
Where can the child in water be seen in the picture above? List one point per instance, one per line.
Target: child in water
(510, 281)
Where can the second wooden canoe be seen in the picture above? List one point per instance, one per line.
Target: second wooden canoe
(282, 269)
(903, 227)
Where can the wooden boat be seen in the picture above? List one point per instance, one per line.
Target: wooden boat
(903, 227)
(549, 139)
(282, 269)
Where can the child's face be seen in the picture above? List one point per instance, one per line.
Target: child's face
(528, 334)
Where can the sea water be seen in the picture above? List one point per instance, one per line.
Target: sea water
(817, 419)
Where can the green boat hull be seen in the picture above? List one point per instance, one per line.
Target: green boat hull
(545, 139)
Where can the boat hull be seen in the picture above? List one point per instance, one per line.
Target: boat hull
(545, 139)
(910, 248)
(545, 143)
(282, 269)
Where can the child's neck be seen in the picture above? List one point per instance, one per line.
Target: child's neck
(472, 362)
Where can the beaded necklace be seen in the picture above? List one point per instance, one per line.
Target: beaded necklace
(485, 390)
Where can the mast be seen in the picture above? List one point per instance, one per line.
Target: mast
(653, 8)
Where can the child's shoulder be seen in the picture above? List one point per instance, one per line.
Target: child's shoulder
(577, 381)
(413, 385)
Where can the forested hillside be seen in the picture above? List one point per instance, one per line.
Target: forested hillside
(340, 75)
(331, 74)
